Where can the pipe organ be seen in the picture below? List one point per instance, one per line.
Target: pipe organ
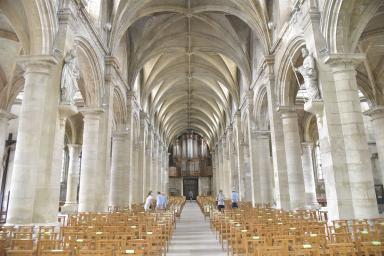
(190, 156)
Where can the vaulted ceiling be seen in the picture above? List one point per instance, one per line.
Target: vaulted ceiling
(192, 57)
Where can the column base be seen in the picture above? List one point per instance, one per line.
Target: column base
(69, 208)
(311, 202)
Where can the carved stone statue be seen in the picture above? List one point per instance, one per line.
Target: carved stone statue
(69, 77)
(309, 73)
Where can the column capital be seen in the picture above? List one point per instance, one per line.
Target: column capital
(91, 112)
(37, 63)
(344, 59)
(287, 111)
(307, 144)
(375, 112)
(6, 115)
(120, 134)
(74, 146)
(260, 133)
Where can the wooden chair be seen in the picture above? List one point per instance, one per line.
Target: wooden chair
(94, 253)
(20, 253)
(373, 248)
(306, 250)
(130, 252)
(26, 229)
(111, 245)
(3, 246)
(43, 245)
(342, 249)
(139, 245)
(22, 235)
(253, 244)
(341, 238)
(271, 251)
(22, 244)
(56, 253)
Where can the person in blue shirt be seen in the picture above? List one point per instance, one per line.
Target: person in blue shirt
(159, 202)
(235, 199)
(165, 200)
(190, 195)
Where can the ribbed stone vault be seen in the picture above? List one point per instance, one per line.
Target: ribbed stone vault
(192, 58)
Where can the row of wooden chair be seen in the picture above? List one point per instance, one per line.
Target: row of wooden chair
(266, 231)
(131, 232)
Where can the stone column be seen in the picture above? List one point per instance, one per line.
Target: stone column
(135, 175)
(148, 157)
(226, 172)
(354, 142)
(281, 192)
(160, 168)
(309, 177)
(4, 119)
(240, 156)
(254, 175)
(71, 205)
(263, 165)
(293, 157)
(142, 158)
(247, 179)
(90, 179)
(377, 117)
(232, 162)
(165, 170)
(166, 189)
(65, 111)
(131, 110)
(256, 153)
(220, 163)
(35, 144)
(214, 172)
(119, 189)
(154, 164)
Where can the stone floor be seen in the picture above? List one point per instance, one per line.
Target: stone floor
(193, 235)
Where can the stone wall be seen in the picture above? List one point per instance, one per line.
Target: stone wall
(204, 186)
(175, 186)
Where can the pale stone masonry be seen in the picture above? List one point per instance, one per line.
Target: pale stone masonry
(221, 74)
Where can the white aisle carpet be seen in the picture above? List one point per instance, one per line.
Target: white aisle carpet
(193, 235)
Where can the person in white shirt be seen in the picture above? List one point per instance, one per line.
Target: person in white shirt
(220, 200)
(148, 201)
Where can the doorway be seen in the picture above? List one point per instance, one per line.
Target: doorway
(191, 184)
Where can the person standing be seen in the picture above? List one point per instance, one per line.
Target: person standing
(190, 195)
(235, 199)
(165, 201)
(220, 200)
(148, 201)
(159, 202)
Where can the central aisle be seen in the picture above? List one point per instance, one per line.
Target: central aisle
(193, 235)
